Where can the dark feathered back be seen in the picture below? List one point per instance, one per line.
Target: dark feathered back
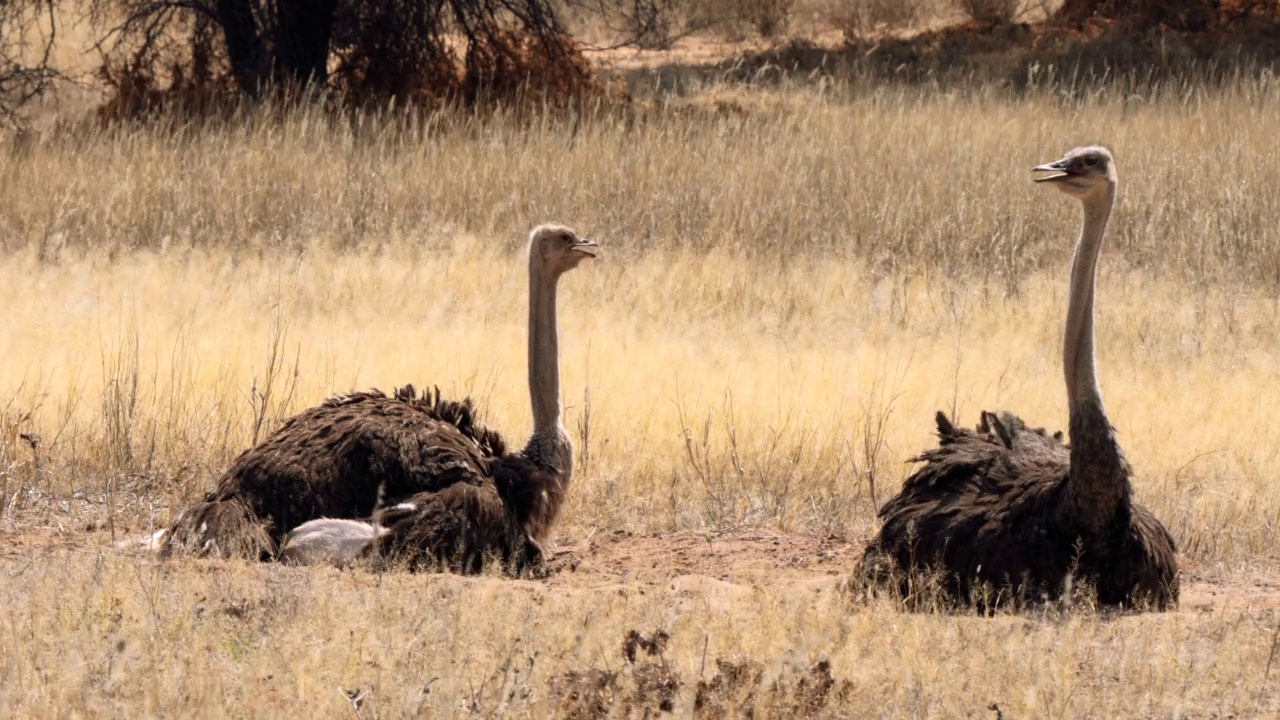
(459, 413)
(331, 460)
(988, 510)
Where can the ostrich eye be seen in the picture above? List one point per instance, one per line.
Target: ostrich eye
(1091, 160)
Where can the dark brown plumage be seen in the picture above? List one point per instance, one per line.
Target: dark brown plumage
(331, 461)
(1009, 513)
(446, 488)
(466, 523)
(501, 511)
(990, 513)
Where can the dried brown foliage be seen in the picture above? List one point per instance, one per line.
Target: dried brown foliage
(28, 32)
(210, 54)
(864, 18)
(641, 689)
(744, 689)
(648, 688)
(990, 12)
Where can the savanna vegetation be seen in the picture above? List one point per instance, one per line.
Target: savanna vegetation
(798, 268)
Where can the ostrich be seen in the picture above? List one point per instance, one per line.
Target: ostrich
(470, 497)
(1010, 512)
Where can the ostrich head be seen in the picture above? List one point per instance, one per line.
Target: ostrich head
(556, 249)
(1081, 173)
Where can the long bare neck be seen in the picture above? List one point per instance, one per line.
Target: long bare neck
(550, 442)
(1077, 348)
(1099, 474)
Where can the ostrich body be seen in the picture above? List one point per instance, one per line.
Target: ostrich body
(454, 494)
(1006, 512)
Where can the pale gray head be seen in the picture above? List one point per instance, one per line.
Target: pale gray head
(1082, 173)
(556, 249)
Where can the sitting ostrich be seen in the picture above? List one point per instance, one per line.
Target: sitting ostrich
(1009, 512)
(471, 497)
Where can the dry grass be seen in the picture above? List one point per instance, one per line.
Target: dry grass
(786, 296)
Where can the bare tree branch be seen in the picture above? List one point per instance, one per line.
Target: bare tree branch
(26, 55)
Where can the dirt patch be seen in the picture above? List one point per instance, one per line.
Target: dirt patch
(1204, 592)
(729, 566)
(742, 557)
(724, 567)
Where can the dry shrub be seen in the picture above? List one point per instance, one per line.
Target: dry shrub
(741, 689)
(657, 24)
(652, 25)
(181, 74)
(644, 688)
(399, 50)
(508, 66)
(649, 687)
(860, 18)
(736, 19)
(203, 57)
(585, 694)
(991, 12)
(769, 18)
(384, 52)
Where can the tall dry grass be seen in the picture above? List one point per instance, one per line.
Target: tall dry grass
(793, 281)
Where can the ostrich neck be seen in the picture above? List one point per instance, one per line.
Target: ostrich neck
(1099, 474)
(549, 441)
(1078, 351)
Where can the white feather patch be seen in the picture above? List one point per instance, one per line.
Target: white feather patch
(328, 540)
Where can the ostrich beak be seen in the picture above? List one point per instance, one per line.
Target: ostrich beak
(1059, 167)
(586, 246)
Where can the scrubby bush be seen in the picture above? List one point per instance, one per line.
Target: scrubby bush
(860, 18)
(991, 12)
(358, 51)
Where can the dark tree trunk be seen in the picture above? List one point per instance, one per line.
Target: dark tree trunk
(245, 49)
(303, 30)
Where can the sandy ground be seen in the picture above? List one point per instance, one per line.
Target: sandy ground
(737, 562)
(724, 567)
